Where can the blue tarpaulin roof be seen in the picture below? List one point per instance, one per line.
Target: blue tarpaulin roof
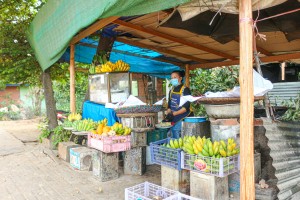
(85, 54)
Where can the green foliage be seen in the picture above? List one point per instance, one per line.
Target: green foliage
(61, 87)
(60, 135)
(43, 127)
(213, 80)
(17, 61)
(293, 111)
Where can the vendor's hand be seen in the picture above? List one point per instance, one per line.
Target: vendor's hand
(169, 111)
(169, 117)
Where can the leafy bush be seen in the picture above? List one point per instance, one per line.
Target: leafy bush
(293, 111)
(214, 80)
(60, 135)
(43, 127)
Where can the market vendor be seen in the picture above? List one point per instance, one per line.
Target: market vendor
(176, 114)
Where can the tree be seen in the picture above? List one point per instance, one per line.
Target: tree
(17, 61)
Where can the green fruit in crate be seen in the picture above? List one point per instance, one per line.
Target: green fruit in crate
(180, 142)
(204, 152)
(216, 150)
(205, 147)
(223, 144)
(176, 144)
(172, 144)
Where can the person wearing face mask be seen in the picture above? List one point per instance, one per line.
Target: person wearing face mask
(176, 114)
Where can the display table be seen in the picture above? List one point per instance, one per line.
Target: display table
(98, 112)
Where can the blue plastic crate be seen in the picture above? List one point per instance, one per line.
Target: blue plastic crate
(165, 156)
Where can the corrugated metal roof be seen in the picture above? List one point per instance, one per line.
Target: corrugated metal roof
(283, 91)
(284, 143)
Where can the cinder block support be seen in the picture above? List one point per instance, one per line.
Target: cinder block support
(135, 161)
(175, 179)
(209, 187)
(64, 150)
(81, 158)
(106, 166)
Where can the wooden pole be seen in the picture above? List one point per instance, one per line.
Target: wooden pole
(283, 71)
(247, 189)
(187, 75)
(72, 80)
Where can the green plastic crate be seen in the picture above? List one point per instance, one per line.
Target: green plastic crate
(157, 134)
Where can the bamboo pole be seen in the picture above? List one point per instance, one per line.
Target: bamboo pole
(247, 189)
(72, 79)
(187, 75)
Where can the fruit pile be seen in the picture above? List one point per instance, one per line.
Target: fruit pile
(74, 117)
(84, 125)
(117, 129)
(204, 147)
(119, 66)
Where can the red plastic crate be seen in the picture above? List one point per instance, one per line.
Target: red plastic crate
(109, 144)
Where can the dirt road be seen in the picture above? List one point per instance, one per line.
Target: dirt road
(31, 171)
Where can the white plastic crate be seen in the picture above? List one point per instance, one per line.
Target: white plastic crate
(219, 167)
(186, 197)
(150, 191)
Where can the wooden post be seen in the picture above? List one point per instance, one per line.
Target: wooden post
(187, 75)
(72, 79)
(247, 189)
(283, 71)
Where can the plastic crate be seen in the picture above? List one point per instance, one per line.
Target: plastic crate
(157, 134)
(165, 156)
(109, 144)
(149, 191)
(186, 197)
(220, 167)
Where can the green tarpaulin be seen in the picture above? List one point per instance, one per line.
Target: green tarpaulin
(59, 20)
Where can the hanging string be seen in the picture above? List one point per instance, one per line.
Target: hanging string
(219, 11)
(285, 13)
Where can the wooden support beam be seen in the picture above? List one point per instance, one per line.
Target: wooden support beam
(137, 55)
(282, 57)
(173, 39)
(259, 49)
(161, 50)
(72, 80)
(247, 189)
(187, 75)
(93, 28)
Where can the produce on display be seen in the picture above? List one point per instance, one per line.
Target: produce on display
(74, 117)
(85, 125)
(116, 129)
(204, 147)
(118, 66)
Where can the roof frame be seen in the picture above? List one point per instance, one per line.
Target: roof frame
(161, 50)
(173, 39)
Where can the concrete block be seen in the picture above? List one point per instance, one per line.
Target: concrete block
(81, 158)
(135, 161)
(148, 156)
(175, 179)
(222, 129)
(64, 150)
(198, 129)
(106, 166)
(138, 139)
(234, 179)
(208, 187)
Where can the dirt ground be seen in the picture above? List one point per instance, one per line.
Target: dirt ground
(29, 170)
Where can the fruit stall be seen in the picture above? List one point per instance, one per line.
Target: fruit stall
(186, 36)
